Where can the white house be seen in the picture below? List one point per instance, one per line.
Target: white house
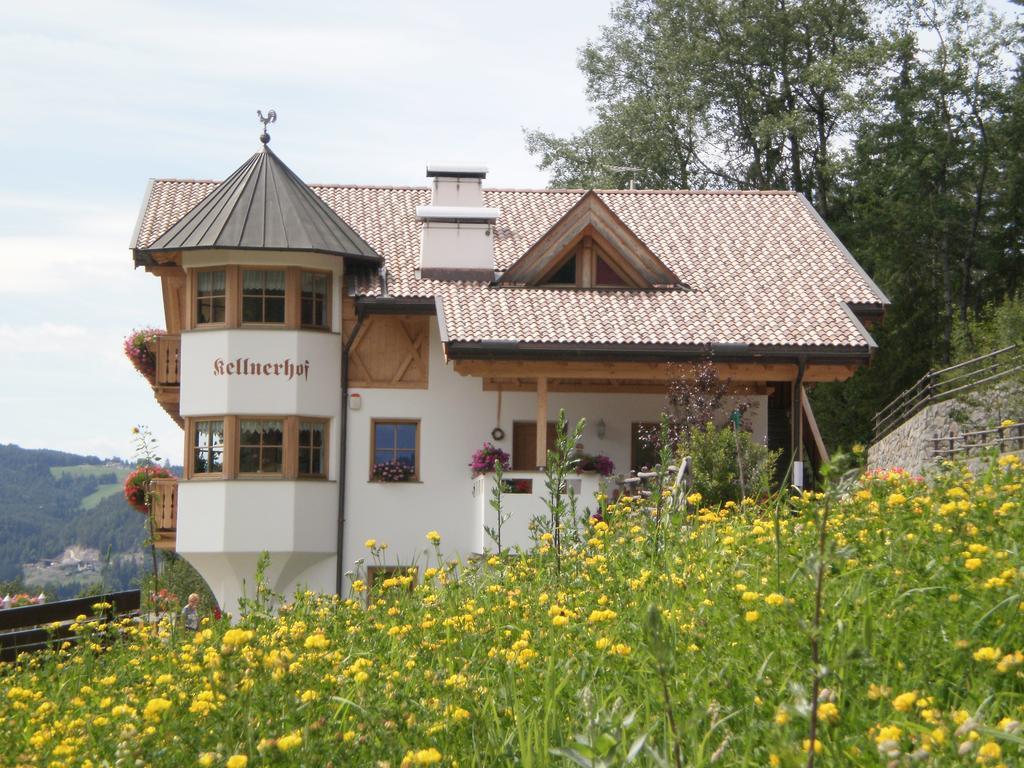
(317, 331)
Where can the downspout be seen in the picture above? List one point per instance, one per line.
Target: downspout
(343, 452)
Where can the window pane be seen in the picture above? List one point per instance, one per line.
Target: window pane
(304, 461)
(273, 433)
(217, 460)
(606, 275)
(274, 309)
(271, 460)
(252, 309)
(250, 432)
(406, 457)
(385, 436)
(217, 309)
(274, 282)
(249, 460)
(316, 463)
(379, 457)
(252, 280)
(566, 274)
(307, 312)
(406, 435)
(311, 433)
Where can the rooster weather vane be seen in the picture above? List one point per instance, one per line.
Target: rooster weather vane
(270, 118)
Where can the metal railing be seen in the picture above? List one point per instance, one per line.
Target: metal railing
(35, 627)
(936, 386)
(1002, 439)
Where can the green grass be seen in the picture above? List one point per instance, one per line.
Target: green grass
(89, 470)
(688, 634)
(102, 492)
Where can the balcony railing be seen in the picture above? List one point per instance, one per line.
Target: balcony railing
(524, 498)
(164, 507)
(168, 360)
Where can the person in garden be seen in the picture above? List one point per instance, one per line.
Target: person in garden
(190, 613)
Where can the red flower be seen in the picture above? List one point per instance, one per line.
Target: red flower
(136, 483)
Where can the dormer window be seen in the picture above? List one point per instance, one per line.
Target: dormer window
(590, 247)
(589, 266)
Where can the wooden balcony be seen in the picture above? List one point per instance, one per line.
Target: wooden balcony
(164, 505)
(167, 380)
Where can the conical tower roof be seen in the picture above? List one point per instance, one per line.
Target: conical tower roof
(263, 206)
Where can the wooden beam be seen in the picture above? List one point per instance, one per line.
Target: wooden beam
(819, 444)
(542, 422)
(611, 386)
(515, 369)
(649, 372)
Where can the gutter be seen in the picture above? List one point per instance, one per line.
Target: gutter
(339, 580)
(511, 350)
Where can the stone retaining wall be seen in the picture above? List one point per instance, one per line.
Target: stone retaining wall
(910, 445)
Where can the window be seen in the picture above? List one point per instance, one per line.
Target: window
(565, 274)
(311, 448)
(316, 306)
(607, 276)
(211, 296)
(280, 447)
(261, 446)
(263, 296)
(396, 442)
(588, 265)
(208, 447)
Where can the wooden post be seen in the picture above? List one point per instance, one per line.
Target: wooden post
(542, 421)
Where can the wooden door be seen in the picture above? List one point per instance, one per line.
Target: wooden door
(524, 444)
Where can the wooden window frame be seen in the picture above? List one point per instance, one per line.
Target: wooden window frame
(288, 284)
(415, 477)
(587, 250)
(237, 451)
(295, 428)
(328, 299)
(233, 444)
(194, 422)
(193, 298)
(233, 298)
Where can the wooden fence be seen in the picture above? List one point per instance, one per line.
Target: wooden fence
(936, 386)
(34, 627)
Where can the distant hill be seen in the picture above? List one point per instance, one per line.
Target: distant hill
(50, 500)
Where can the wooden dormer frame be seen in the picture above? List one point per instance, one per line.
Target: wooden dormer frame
(591, 218)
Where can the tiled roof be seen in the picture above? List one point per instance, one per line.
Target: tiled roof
(761, 267)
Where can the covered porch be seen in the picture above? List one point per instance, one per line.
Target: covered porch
(780, 417)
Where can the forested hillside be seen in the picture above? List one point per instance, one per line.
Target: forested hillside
(900, 121)
(50, 500)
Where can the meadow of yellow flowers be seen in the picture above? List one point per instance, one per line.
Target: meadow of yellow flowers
(510, 661)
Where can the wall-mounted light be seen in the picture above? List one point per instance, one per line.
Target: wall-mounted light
(601, 428)
(355, 401)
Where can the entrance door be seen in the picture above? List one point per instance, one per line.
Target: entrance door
(524, 444)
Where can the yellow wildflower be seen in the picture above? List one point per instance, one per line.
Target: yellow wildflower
(433, 537)
(905, 701)
(237, 761)
(289, 741)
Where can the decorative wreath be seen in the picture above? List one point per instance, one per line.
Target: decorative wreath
(497, 434)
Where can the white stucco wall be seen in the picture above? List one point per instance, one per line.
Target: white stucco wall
(223, 526)
(457, 417)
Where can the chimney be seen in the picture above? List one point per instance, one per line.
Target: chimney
(457, 237)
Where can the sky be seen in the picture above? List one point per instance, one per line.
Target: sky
(98, 97)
